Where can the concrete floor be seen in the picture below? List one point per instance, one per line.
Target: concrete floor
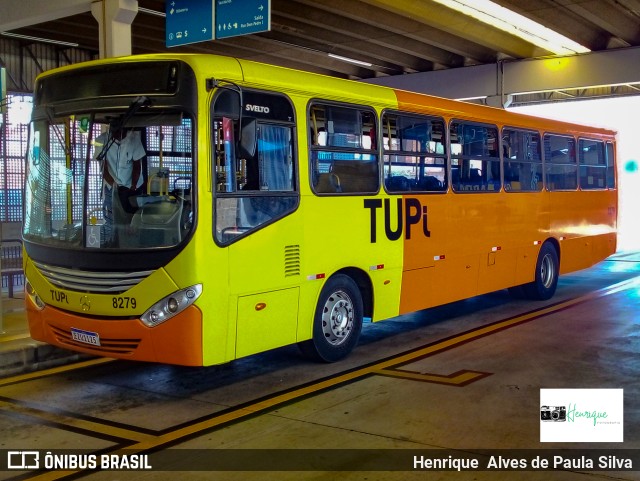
(465, 377)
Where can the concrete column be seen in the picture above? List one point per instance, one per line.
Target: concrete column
(114, 18)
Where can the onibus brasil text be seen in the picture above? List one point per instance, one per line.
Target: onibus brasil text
(94, 461)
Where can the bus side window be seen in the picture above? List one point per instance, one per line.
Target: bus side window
(343, 149)
(611, 166)
(255, 175)
(414, 153)
(560, 162)
(593, 164)
(475, 157)
(522, 160)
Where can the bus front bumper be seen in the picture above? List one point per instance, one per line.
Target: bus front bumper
(176, 341)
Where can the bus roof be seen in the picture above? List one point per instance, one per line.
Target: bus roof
(297, 82)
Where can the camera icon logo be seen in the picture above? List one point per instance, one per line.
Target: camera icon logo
(553, 413)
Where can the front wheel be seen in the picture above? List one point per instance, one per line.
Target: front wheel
(546, 281)
(337, 322)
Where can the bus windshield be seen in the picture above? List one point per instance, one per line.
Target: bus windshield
(110, 180)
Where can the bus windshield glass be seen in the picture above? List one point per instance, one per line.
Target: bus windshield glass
(110, 180)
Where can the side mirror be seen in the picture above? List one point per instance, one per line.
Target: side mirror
(248, 139)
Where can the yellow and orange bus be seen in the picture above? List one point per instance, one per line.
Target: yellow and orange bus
(276, 207)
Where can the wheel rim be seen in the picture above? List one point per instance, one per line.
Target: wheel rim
(547, 271)
(337, 318)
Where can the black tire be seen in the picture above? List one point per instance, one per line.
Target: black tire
(337, 321)
(546, 280)
(517, 292)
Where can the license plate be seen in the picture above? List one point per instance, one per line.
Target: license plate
(86, 337)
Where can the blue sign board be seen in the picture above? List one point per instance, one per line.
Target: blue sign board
(189, 21)
(242, 17)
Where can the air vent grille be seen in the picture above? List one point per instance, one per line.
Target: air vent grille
(292, 261)
(92, 281)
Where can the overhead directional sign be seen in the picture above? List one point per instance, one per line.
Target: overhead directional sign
(189, 21)
(242, 17)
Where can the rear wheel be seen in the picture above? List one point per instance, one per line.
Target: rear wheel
(546, 281)
(337, 322)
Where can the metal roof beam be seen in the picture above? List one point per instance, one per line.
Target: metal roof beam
(610, 67)
(31, 12)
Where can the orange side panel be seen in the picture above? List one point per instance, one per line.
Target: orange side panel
(177, 341)
(414, 102)
(426, 220)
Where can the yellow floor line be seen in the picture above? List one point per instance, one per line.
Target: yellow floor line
(87, 425)
(461, 378)
(54, 370)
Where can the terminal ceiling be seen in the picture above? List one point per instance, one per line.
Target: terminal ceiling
(390, 38)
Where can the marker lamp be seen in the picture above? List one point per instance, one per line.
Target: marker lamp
(170, 306)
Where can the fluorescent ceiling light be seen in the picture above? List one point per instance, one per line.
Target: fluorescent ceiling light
(469, 99)
(516, 24)
(38, 39)
(350, 60)
(151, 12)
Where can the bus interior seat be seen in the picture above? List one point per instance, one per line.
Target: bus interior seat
(158, 223)
(430, 183)
(182, 185)
(398, 183)
(356, 176)
(328, 183)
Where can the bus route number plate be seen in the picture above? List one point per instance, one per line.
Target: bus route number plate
(86, 337)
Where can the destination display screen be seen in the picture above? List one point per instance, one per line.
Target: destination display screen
(126, 79)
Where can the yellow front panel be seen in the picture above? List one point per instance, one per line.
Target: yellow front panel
(264, 268)
(266, 321)
(132, 302)
(205, 260)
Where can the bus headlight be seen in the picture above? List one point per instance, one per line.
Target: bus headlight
(171, 305)
(33, 295)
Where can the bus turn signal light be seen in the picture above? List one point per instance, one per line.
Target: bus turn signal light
(33, 295)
